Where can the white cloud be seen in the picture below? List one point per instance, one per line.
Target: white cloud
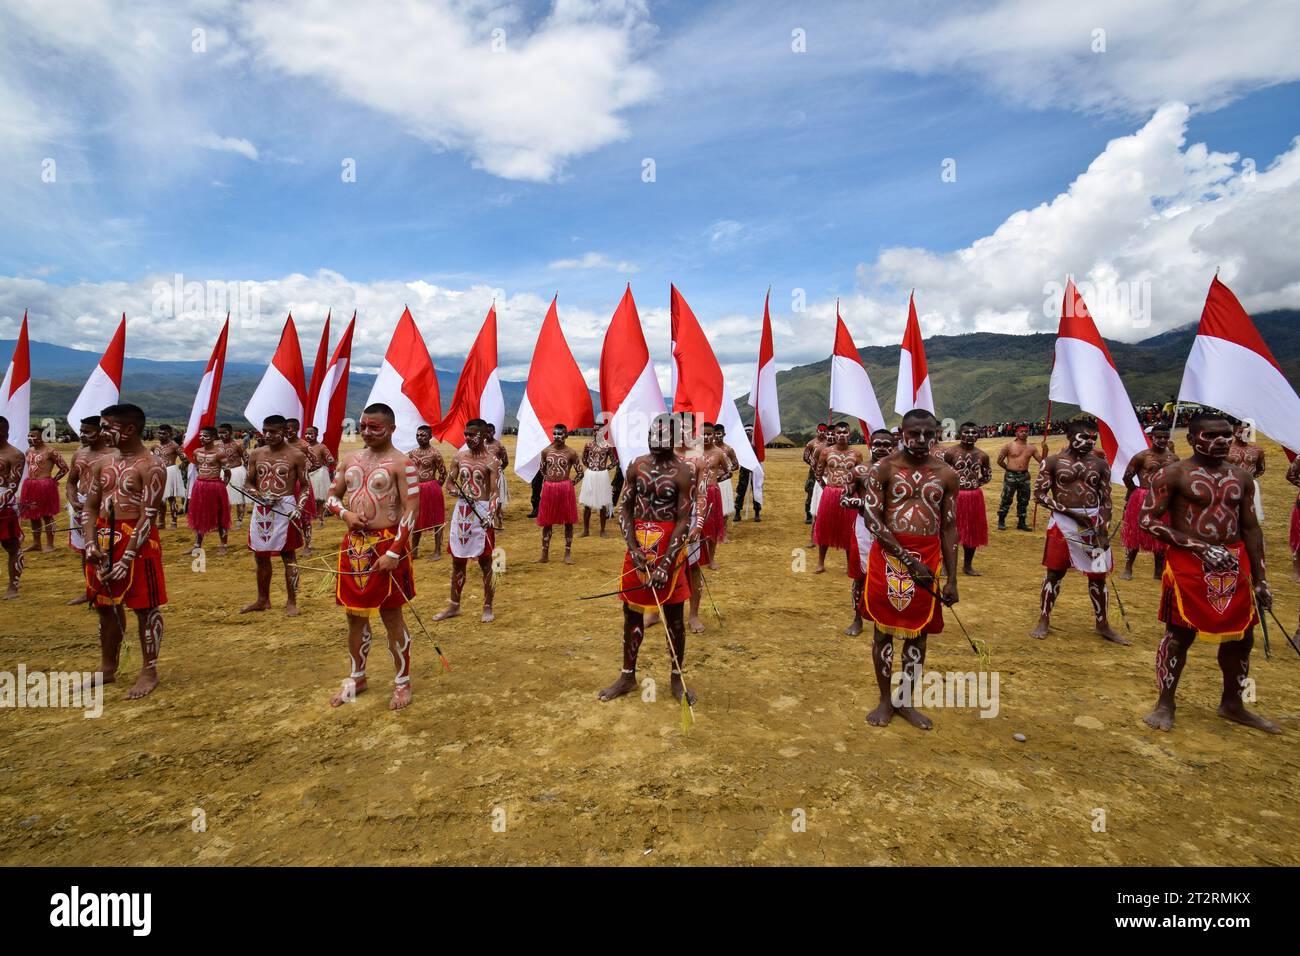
(521, 99)
(1151, 213)
(594, 260)
(228, 144)
(1203, 52)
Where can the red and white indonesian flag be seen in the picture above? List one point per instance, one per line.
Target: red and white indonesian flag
(16, 391)
(104, 386)
(204, 412)
(407, 384)
(318, 368)
(556, 394)
(701, 387)
(913, 374)
(630, 396)
(1084, 374)
(1231, 369)
(332, 397)
(283, 389)
(478, 390)
(762, 398)
(851, 390)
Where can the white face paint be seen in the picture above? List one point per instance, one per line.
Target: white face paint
(1083, 442)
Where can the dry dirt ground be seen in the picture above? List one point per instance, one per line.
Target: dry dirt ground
(510, 759)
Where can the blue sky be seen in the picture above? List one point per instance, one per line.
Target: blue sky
(518, 173)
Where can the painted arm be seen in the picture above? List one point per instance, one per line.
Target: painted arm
(986, 471)
(626, 522)
(406, 482)
(90, 514)
(1130, 475)
(1254, 539)
(61, 466)
(577, 468)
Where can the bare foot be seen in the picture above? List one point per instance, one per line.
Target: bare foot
(104, 677)
(80, 599)
(437, 556)
(452, 610)
(854, 629)
(696, 625)
(488, 617)
(713, 566)
(1040, 631)
(145, 683)
(1113, 636)
(585, 534)
(568, 558)
(604, 534)
(882, 715)
(223, 550)
(348, 692)
(544, 559)
(624, 684)
(11, 593)
(1242, 716)
(48, 549)
(820, 569)
(256, 606)
(915, 718)
(1126, 574)
(971, 571)
(30, 548)
(291, 610)
(401, 697)
(651, 620)
(1162, 718)
(679, 688)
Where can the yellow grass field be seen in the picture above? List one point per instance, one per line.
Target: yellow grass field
(510, 759)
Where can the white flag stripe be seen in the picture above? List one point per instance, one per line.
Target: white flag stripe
(201, 400)
(532, 440)
(98, 393)
(1083, 377)
(492, 403)
(336, 374)
(852, 394)
(388, 390)
(1241, 382)
(629, 428)
(275, 395)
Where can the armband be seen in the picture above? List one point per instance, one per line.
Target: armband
(334, 506)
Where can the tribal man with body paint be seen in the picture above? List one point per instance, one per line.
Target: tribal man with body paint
(654, 515)
(376, 494)
(280, 488)
(472, 481)
(911, 512)
(1074, 485)
(1203, 509)
(124, 566)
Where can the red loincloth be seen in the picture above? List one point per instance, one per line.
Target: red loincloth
(362, 591)
(209, 508)
(10, 526)
(972, 519)
(1218, 605)
(1131, 532)
(891, 598)
(714, 516)
(834, 526)
(144, 586)
(654, 538)
(39, 498)
(1295, 527)
(559, 504)
(433, 509)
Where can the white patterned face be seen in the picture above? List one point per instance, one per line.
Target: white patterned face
(919, 436)
(1213, 439)
(1083, 441)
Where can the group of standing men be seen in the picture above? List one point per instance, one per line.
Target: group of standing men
(901, 515)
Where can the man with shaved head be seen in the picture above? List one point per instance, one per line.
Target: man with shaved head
(376, 494)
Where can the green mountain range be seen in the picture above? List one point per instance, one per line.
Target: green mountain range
(989, 377)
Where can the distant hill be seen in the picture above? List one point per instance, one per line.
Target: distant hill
(989, 377)
(166, 389)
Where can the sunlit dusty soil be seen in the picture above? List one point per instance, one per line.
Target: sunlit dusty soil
(511, 759)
